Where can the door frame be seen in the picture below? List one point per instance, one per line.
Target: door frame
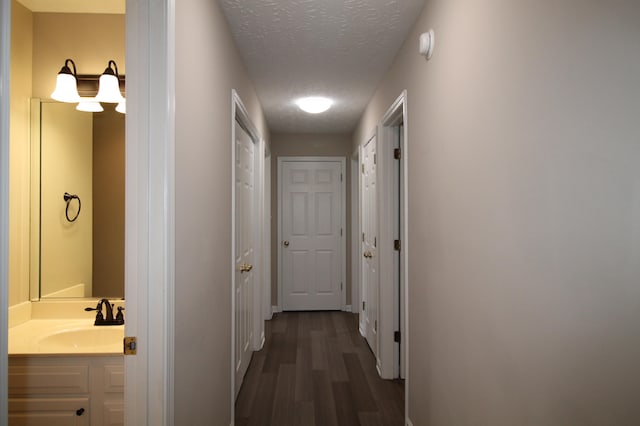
(355, 232)
(389, 304)
(150, 211)
(240, 114)
(343, 272)
(5, 61)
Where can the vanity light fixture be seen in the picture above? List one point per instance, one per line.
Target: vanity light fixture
(81, 88)
(89, 105)
(314, 104)
(122, 106)
(109, 89)
(66, 84)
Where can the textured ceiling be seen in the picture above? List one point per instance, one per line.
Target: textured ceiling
(334, 48)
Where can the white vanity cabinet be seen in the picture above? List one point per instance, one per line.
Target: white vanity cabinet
(63, 390)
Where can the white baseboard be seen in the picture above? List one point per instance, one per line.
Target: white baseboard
(262, 340)
(362, 333)
(275, 310)
(347, 308)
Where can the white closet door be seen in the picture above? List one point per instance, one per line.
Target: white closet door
(311, 197)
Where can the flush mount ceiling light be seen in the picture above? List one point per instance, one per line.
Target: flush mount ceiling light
(89, 105)
(66, 84)
(314, 104)
(109, 90)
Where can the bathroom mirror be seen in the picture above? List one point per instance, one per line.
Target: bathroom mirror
(77, 202)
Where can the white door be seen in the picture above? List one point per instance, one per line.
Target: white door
(311, 228)
(369, 245)
(244, 253)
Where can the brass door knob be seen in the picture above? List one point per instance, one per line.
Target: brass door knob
(285, 243)
(368, 254)
(245, 267)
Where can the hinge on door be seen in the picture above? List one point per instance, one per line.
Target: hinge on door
(341, 232)
(375, 241)
(396, 153)
(375, 325)
(130, 345)
(340, 177)
(396, 245)
(396, 336)
(363, 304)
(363, 237)
(375, 159)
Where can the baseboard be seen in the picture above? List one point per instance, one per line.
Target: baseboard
(347, 308)
(275, 310)
(409, 422)
(362, 333)
(262, 340)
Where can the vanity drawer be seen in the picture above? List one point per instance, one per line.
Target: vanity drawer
(48, 379)
(49, 411)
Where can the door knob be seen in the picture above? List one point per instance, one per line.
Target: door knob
(368, 254)
(245, 267)
(286, 243)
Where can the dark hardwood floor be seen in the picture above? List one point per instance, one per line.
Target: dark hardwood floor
(316, 370)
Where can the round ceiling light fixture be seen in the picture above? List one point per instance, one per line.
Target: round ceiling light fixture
(314, 104)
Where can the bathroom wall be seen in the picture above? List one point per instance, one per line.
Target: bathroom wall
(308, 145)
(524, 199)
(40, 44)
(207, 68)
(108, 203)
(91, 40)
(19, 181)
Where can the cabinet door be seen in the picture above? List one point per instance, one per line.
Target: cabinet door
(48, 411)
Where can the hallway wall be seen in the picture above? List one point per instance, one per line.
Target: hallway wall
(307, 145)
(207, 69)
(524, 199)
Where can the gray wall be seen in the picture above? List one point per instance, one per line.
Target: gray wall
(307, 145)
(524, 207)
(207, 68)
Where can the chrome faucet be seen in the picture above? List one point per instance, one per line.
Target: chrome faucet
(109, 320)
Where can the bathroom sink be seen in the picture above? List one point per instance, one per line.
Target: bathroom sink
(99, 339)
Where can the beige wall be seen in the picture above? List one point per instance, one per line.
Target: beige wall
(108, 203)
(207, 69)
(91, 40)
(524, 199)
(21, 70)
(307, 145)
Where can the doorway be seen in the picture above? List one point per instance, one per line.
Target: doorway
(248, 187)
(311, 217)
(383, 254)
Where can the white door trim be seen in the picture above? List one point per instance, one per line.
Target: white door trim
(397, 113)
(355, 232)
(239, 113)
(150, 217)
(5, 59)
(343, 272)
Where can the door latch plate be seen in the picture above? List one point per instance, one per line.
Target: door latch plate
(130, 345)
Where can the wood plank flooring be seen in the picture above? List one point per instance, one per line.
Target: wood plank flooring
(316, 370)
